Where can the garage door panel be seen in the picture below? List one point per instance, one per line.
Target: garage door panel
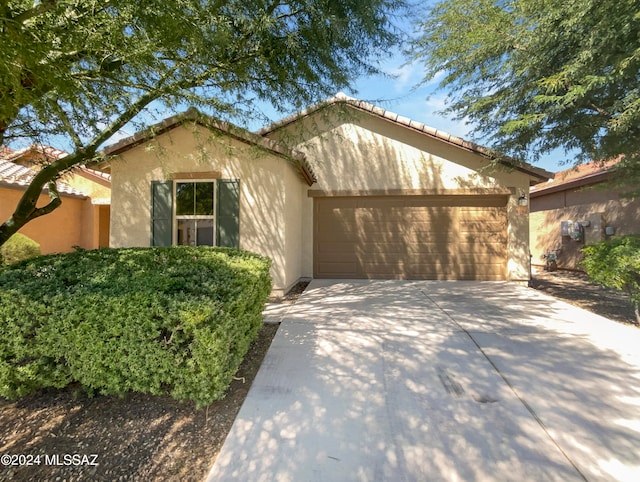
(380, 202)
(336, 270)
(339, 250)
(481, 239)
(481, 227)
(415, 237)
(483, 214)
(338, 234)
(484, 272)
(423, 236)
(344, 218)
(370, 229)
(383, 269)
(381, 248)
(431, 249)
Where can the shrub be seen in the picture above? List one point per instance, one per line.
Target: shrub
(616, 264)
(18, 248)
(175, 320)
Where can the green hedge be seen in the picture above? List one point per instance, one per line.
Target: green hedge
(175, 320)
(18, 248)
(615, 263)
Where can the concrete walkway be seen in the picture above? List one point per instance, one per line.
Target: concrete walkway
(426, 380)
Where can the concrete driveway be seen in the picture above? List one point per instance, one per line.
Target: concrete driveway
(428, 380)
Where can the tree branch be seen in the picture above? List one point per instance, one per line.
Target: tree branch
(603, 112)
(42, 7)
(66, 122)
(55, 202)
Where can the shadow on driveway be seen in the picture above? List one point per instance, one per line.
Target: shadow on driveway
(404, 380)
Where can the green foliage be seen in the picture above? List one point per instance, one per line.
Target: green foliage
(174, 320)
(616, 264)
(18, 248)
(537, 75)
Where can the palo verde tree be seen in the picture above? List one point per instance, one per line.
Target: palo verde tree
(536, 75)
(83, 69)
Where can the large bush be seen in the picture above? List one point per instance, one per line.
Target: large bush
(18, 248)
(173, 320)
(616, 264)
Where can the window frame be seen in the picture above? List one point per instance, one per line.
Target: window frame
(175, 217)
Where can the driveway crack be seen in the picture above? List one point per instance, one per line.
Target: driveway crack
(528, 407)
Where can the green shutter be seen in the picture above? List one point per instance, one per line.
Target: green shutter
(228, 213)
(161, 213)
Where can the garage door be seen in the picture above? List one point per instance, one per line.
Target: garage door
(411, 237)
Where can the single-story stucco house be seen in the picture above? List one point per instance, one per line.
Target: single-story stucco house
(578, 208)
(344, 189)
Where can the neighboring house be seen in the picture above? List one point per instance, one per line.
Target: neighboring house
(342, 190)
(578, 195)
(82, 219)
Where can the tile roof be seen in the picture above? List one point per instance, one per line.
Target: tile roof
(5, 151)
(534, 172)
(99, 174)
(577, 176)
(17, 176)
(298, 159)
(49, 153)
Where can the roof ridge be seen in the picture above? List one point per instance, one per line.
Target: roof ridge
(192, 114)
(595, 170)
(390, 116)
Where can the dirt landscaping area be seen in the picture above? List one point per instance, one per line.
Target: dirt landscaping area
(63, 434)
(574, 287)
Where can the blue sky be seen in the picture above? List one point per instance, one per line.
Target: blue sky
(403, 92)
(404, 95)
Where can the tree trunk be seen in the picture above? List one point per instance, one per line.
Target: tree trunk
(637, 310)
(7, 229)
(27, 209)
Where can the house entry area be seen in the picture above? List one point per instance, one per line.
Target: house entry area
(449, 237)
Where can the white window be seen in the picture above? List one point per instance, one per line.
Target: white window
(195, 213)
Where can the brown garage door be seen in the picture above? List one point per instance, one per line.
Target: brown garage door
(411, 237)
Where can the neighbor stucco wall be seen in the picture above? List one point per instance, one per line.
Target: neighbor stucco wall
(358, 153)
(598, 206)
(95, 188)
(57, 232)
(267, 221)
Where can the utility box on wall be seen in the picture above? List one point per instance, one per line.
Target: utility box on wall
(587, 230)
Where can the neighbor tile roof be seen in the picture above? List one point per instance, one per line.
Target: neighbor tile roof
(5, 152)
(17, 176)
(49, 153)
(577, 176)
(534, 172)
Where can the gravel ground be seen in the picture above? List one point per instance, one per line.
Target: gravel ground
(574, 287)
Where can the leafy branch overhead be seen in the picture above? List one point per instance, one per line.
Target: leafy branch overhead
(535, 76)
(83, 69)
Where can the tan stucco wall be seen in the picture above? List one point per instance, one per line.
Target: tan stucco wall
(354, 151)
(94, 188)
(598, 206)
(268, 199)
(67, 226)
